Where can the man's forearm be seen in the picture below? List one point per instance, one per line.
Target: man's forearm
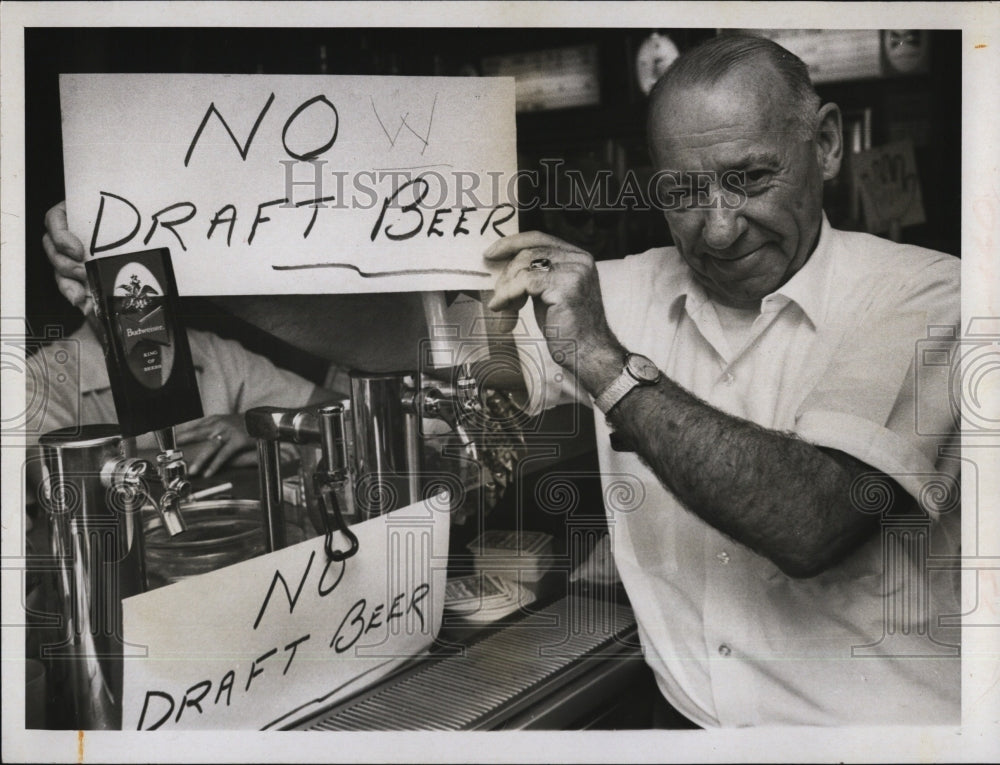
(783, 498)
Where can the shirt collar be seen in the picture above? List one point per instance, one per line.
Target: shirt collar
(807, 288)
(683, 292)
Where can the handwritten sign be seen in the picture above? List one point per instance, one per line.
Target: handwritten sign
(886, 178)
(305, 184)
(267, 642)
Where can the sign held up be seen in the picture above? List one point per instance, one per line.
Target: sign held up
(285, 184)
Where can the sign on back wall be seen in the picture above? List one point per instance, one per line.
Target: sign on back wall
(289, 184)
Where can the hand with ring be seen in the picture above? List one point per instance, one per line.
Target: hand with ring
(563, 283)
(540, 264)
(214, 441)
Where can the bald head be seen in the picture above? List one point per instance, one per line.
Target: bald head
(742, 148)
(757, 61)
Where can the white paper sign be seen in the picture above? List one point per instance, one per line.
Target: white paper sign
(293, 184)
(267, 642)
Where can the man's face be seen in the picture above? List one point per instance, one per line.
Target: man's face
(741, 245)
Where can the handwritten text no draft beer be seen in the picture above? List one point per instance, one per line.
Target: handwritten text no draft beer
(268, 641)
(299, 184)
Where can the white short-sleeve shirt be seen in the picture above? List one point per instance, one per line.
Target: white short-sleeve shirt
(847, 355)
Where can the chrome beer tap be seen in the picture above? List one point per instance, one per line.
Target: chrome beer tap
(388, 455)
(323, 426)
(331, 477)
(459, 406)
(92, 492)
(173, 478)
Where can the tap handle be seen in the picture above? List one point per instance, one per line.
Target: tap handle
(169, 508)
(333, 438)
(176, 486)
(333, 522)
(166, 439)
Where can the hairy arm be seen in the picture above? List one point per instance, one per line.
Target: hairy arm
(782, 497)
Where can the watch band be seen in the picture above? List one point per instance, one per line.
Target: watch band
(615, 392)
(637, 370)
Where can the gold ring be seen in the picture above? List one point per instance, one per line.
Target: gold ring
(219, 437)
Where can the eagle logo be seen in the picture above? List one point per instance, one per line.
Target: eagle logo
(137, 295)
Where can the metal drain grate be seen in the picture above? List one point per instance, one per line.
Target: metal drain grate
(458, 692)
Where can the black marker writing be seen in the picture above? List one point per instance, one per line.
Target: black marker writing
(382, 274)
(243, 149)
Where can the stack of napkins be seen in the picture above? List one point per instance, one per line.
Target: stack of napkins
(484, 598)
(518, 556)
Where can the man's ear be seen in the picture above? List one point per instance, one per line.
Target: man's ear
(829, 140)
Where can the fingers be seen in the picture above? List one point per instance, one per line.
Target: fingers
(66, 264)
(513, 288)
(209, 425)
(213, 452)
(65, 253)
(510, 295)
(217, 439)
(76, 293)
(517, 281)
(201, 456)
(57, 229)
(196, 430)
(509, 246)
(228, 450)
(500, 322)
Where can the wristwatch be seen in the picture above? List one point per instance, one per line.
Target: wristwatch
(638, 371)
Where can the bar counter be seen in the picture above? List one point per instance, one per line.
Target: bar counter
(564, 665)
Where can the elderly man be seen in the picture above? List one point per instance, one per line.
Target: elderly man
(758, 380)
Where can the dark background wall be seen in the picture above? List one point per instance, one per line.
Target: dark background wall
(613, 130)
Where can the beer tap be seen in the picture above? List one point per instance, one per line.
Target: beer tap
(458, 406)
(331, 477)
(173, 477)
(322, 425)
(485, 421)
(93, 491)
(149, 362)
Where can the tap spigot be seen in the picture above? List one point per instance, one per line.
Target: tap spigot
(173, 477)
(457, 405)
(330, 477)
(467, 390)
(125, 476)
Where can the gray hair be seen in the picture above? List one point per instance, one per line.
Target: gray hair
(715, 58)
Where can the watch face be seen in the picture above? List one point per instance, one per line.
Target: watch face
(642, 369)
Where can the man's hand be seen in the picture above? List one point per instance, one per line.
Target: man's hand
(65, 253)
(219, 438)
(567, 302)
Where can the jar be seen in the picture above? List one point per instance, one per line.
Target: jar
(219, 533)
